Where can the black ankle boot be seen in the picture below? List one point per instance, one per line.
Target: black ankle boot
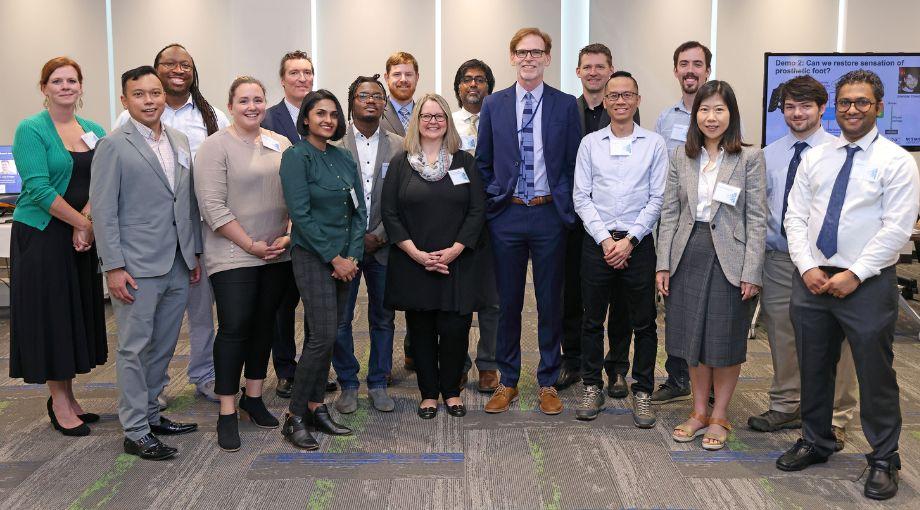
(323, 422)
(257, 412)
(882, 482)
(228, 432)
(295, 431)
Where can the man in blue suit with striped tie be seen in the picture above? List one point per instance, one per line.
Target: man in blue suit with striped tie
(528, 140)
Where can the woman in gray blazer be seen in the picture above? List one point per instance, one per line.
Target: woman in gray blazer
(710, 256)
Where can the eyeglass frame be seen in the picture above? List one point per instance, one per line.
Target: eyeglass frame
(480, 80)
(848, 103)
(184, 66)
(376, 96)
(439, 117)
(623, 95)
(522, 54)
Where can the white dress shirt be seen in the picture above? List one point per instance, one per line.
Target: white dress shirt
(707, 185)
(672, 125)
(186, 119)
(463, 120)
(879, 211)
(620, 192)
(294, 111)
(540, 184)
(367, 156)
(162, 149)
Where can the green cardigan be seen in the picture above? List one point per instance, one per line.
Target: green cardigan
(45, 166)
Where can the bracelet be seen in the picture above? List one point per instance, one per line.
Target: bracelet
(87, 215)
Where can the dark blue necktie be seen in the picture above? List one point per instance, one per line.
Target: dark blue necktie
(827, 238)
(790, 178)
(525, 186)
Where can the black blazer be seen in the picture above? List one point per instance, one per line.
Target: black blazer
(605, 119)
(278, 119)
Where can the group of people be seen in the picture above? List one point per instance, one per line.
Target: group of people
(443, 212)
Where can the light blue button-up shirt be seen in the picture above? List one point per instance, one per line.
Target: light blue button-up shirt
(672, 125)
(778, 155)
(620, 192)
(541, 185)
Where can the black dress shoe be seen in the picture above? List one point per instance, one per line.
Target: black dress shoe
(567, 377)
(427, 413)
(882, 482)
(78, 431)
(168, 427)
(458, 410)
(331, 385)
(799, 457)
(295, 431)
(324, 423)
(228, 432)
(89, 417)
(258, 413)
(149, 448)
(285, 387)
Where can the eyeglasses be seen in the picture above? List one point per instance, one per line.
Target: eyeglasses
(184, 66)
(532, 53)
(466, 80)
(437, 117)
(615, 96)
(365, 96)
(862, 104)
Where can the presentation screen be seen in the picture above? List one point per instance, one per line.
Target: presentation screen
(899, 72)
(9, 177)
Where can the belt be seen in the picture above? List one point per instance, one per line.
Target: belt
(831, 269)
(618, 234)
(545, 199)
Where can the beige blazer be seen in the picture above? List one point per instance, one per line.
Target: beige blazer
(738, 232)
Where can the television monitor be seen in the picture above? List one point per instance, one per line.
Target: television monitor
(899, 72)
(10, 182)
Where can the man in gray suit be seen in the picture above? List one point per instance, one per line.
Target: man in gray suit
(372, 148)
(148, 235)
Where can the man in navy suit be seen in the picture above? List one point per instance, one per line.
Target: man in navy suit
(528, 140)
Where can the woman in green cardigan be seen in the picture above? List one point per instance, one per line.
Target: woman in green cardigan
(57, 308)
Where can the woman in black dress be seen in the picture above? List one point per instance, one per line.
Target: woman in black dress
(57, 308)
(433, 208)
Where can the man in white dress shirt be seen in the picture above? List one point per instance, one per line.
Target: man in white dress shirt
(851, 210)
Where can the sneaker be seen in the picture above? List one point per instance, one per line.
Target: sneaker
(771, 421)
(206, 390)
(619, 388)
(643, 413)
(380, 400)
(840, 437)
(592, 402)
(666, 394)
(347, 402)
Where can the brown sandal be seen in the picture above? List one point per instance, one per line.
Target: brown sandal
(689, 434)
(719, 442)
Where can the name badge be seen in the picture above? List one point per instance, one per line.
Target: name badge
(90, 139)
(458, 176)
(467, 142)
(184, 159)
(727, 194)
(383, 170)
(270, 143)
(620, 147)
(354, 197)
(679, 132)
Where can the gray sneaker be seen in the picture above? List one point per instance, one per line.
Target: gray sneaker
(347, 402)
(380, 400)
(206, 390)
(592, 403)
(772, 420)
(643, 413)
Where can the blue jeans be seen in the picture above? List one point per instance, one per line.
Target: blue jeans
(380, 360)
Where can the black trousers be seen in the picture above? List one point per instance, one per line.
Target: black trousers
(618, 330)
(439, 341)
(247, 301)
(866, 318)
(284, 347)
(638, 283)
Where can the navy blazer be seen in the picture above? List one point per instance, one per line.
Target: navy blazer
(278, 119)
(498, 153)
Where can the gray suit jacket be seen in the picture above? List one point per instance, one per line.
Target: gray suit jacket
(138, 220)
(390, 120)
(738, 232)
(389, 145)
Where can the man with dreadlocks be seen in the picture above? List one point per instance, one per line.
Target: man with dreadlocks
(190, 113)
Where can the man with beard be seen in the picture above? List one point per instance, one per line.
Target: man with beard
(402, 78)
(472, 83)
(188, 112)
(692, 63)
(372, 148)
(803, 100)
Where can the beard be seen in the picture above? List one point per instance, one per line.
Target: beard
(690, 89)
(472, 98)
(808, 126)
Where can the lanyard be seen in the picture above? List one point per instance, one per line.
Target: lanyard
(536, 110)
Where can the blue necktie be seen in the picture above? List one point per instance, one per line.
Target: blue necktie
(525, 186)
(790, 178)
(404, 114)
(827, 238)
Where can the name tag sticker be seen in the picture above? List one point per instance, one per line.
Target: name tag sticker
(467, 142)
(90, 139)
(679, 132)
(354, 197)
(383, 170)
(458, 176)
(862, 171)
(727, 194)
(620, 147)
(270, 143)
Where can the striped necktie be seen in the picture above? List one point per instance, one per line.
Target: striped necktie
(525, 186)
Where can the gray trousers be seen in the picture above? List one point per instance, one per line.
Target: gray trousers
(785, 391)
(201, 329)
(488, 335)
(147, 334)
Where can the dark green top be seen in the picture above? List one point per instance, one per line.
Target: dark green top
(317, 189)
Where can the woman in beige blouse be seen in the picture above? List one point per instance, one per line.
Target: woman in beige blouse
(245, 251)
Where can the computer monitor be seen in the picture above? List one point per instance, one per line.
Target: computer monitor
(10, 182)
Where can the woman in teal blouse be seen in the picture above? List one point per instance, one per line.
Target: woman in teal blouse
(322, 186)
(57, 308)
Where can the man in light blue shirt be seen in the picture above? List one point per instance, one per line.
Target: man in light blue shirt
(802, 101)
(619, 187)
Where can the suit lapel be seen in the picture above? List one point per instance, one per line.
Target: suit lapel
(390, 115)
(180, 171)
(582, 104)
(726, 169)
(139, 143)
(510, 119)
(548, 103)
(284, 120)
(691, 170)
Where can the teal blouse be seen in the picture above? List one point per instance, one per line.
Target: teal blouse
(45, 166)
(318, 189)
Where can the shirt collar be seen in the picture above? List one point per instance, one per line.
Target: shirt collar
(293, 110)
(680, 106)
(360, 136)
(464, 114)
(813, 140)
(397, 106)
(704, 157)
(188, 102)
(637, 133)
(145, 131)
(863, 142)
(537, 93)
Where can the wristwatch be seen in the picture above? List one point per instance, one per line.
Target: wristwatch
(632, 240)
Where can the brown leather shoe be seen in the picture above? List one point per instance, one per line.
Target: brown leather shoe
(501, 400)
(840, 437)
(409, 364)
(549, 401)
(488, 381)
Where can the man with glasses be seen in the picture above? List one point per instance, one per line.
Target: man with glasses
(851, 209)
(528, 139)
(619, 188)
(473, 82)
(372, 148)
(402, 78)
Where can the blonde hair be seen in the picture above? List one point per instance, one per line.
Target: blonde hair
(413, 145)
